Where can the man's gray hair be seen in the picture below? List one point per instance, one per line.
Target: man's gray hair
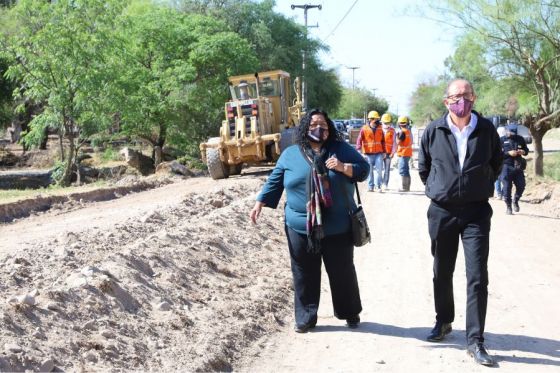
(456, 80)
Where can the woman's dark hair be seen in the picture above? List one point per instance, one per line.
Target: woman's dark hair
(305, 122)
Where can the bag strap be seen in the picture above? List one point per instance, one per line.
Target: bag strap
(350, 211)
(358, 194)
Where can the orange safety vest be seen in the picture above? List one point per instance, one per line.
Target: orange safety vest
(389, 139)
(372, 139)
(404, 148)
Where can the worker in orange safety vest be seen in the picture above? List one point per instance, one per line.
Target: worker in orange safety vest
(404, 151)
(371, 143)
(389, 134)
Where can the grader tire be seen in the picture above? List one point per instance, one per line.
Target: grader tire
(216, 168)
(235, 169)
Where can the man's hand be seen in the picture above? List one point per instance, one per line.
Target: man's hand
(513, 153)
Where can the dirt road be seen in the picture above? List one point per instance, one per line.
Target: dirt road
(176, 278)
(394, 272)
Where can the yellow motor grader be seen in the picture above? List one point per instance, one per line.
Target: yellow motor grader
(258, 118)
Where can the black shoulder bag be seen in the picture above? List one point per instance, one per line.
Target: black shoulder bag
(360, 229)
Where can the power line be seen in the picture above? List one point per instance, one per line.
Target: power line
(339, 22)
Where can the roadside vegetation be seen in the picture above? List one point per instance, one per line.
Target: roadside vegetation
(13, 195)
(148, 71)
(155, 72)
(510, 50)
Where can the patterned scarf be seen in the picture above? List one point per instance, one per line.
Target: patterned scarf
(318, 197)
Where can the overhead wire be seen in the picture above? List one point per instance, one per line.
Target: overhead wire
(341, 20)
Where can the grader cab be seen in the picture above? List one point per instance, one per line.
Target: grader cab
(259, 111)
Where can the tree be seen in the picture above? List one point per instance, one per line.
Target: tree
(60, 52)
(277, 41)
(358, 102)
(427, 101)
(174, 74)
(522, 43)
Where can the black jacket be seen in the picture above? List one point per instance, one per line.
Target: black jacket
(515, 142)
(438, 163)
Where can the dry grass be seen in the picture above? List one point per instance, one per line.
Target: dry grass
(14, 195)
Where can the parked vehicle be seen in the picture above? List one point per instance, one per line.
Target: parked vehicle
(521, 131)
(354, 124)
(353, 129)
(501, 121)
(339, 124)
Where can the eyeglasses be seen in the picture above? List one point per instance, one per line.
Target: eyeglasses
(467, 96)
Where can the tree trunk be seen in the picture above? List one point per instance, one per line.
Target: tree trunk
(158, 147)
(70, 160)
(61, 144)
(44, 138)
(158, 156)
(538, 135)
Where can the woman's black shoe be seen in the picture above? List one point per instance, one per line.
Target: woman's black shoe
(303, 328)
(353, 322)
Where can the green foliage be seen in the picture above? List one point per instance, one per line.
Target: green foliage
(359, 102)
(552, 166)
(193, 163)
(110, 154)
(521, 49)
(277, 41)
(58, 172)
(427, 102)
(6, 89)
(174, 73)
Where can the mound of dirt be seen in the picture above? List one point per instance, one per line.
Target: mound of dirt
(160, 292)
(124, 186)
(545, 193)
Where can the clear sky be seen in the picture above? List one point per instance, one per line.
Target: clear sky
(394, 52)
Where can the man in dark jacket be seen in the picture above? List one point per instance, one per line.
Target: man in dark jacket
(459, 159)
(514, 148)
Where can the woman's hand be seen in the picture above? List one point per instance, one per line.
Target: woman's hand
(334, 164)
(256, 211)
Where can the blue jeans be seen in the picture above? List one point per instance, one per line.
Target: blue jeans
(498, 187)
(404, 166)
(375, 162)
(386, 170)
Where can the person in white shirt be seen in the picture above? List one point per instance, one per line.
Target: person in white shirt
(459, 159)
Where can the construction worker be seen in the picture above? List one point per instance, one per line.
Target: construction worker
(371, 143)
(389, 134)
(514, 148)
(404, 151)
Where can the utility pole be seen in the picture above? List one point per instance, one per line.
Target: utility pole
(305, 8)
(353, 68)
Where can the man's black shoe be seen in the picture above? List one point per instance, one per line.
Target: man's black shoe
(353, 322)
(480, 354)
(440, 330)
(508, 210)
(303, 328)
(516, 206)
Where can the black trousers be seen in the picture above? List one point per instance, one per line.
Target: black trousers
(471, 223)
(511, 175)
(338, 255)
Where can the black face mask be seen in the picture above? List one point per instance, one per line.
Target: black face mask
(316, 134)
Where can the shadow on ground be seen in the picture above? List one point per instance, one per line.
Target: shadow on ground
(497, 342)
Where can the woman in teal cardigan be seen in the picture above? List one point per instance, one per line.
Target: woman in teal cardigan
(318, 175)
